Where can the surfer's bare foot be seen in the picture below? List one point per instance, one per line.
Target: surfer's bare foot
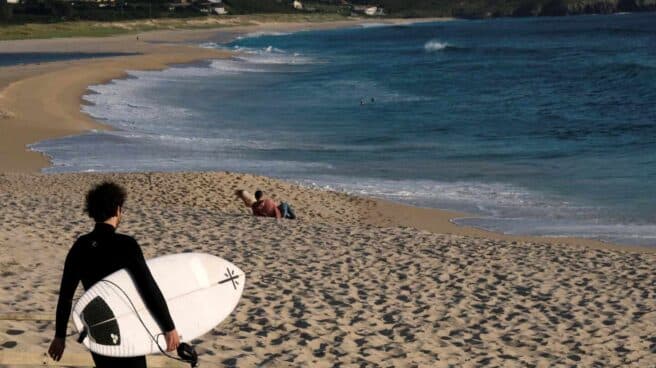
(57, 348)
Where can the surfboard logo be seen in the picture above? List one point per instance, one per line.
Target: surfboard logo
(231, 276)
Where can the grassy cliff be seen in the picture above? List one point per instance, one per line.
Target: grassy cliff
(57, 11)
(505, 8)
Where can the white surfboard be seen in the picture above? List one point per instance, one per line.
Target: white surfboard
(200, 289)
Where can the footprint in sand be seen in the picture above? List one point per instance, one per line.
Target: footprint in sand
(9, 344)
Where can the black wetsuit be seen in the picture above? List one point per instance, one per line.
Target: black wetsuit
(97, 255)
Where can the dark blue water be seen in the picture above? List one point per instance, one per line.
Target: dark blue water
(540, 126)
(17, 58)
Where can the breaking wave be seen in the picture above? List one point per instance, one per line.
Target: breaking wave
(434, 45)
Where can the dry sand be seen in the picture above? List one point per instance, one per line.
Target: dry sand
(332, 289)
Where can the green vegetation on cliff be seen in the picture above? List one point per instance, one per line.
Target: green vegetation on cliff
(85, 28)
(506, 8)
(50, 11)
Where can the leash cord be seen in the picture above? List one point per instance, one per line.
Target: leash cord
(153, 337)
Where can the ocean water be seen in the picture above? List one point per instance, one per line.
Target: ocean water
(542, 126)
(17, 58)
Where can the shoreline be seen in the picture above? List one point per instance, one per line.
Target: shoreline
(27, 86)
(154, 50)
(389, 213)
(57, 89)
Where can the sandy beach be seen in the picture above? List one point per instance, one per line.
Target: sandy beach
(331, 288)
(354, 282)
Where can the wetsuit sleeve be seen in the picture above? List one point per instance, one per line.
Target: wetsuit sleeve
(150, 292)
(69, 282)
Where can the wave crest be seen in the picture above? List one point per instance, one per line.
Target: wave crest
(263, 33)
(435, 45)
(271, 55)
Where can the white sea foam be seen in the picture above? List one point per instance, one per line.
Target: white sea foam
(498, 207)
(435, 45)
(602, 229)
(263, 33)
(186, 74)
(271, 55)
(169, 164)
(210, 45)
(124, 103)
(215, 67)
(234, 66)
(481, 198)
(92, 152)
(375, 25)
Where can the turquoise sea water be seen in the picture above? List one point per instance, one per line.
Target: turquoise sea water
(542, 126)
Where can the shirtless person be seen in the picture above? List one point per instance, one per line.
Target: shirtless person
(265, 207)
(99, 254)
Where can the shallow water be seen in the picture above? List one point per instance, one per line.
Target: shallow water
(542, 126)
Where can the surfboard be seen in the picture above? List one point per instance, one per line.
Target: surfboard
(200, 289)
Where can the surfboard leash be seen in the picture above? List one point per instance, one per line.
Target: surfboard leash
(186, 352)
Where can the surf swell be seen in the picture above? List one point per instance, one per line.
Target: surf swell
(262, 33)
(434, 45)
(271, 55)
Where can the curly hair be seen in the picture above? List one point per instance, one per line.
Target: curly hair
(103, 201)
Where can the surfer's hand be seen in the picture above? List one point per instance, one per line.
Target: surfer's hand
(57, 348)
(172, 340)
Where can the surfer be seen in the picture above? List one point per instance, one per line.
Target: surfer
(99, 254)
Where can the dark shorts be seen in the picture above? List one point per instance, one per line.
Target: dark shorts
(111, 362)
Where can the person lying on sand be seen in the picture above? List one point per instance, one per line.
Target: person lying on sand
(101, 253)
(266, 207)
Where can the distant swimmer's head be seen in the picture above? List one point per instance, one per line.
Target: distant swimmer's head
(105, 201)
(258, 195)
